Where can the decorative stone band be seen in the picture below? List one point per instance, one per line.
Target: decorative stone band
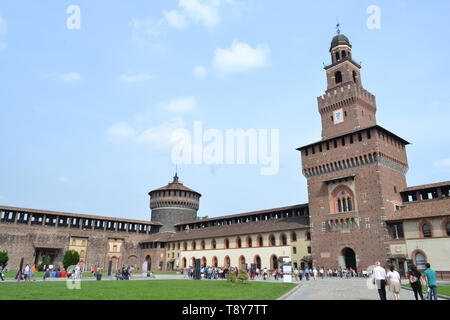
(361, 161)
(177, 204)
(338, 224)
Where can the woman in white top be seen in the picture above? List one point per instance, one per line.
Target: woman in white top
(394, 282)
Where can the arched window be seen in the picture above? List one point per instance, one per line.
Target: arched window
(260, 241)
(283, 239)
(337, 55)
(308, 235)
(214, 262)
(420, 261)
(227, 243)
(272, 240)
(238, 242)
(193, 245)
(354, 76)
(227, 261)
(426, 230)
(213, 244)
(185, 245)
(249, 242)
(447, 228)
(293, 236)
(203, 262)
(344, 54)
(241, 262)
(342, 200)
(338, 76)
(202, 244)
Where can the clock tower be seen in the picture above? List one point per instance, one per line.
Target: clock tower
(355, 172)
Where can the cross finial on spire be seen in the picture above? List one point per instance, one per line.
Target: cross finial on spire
(175, 178)
(337, 28)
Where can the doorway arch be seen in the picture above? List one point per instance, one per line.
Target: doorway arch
(149, 263)
(349, 258)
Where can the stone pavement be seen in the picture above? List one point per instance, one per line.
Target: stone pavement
(341, 289)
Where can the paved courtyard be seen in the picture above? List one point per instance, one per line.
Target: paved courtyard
(341, 289)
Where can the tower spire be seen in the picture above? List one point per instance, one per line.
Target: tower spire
(175, 177)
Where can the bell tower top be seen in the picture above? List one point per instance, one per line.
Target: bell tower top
(346, 106)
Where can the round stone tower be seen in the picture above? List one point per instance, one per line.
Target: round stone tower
(173, 204)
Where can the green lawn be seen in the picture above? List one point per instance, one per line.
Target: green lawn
(444, 290)
(40, 274)
(144, 290)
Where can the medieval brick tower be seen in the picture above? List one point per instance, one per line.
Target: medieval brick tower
(355, 173)
(173, 204)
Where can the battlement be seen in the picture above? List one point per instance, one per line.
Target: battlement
(350, 92)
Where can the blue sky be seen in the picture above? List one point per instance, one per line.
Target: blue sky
(85, 113)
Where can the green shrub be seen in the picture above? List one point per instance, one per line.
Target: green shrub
(71, 258)
(4, 258)
(232, 277)
(243, 276)
(46, 261)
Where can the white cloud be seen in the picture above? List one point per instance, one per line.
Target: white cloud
(64, 77)
(205, 13)
(240, 57)
(180, 105)
(70, 77)
(121, 132)
(148, 26)
(127, 78)
(175, 19)
(443, 163)
(3, 31)
(161, 136)
(63, 179)
(201, 12)
(200, 71)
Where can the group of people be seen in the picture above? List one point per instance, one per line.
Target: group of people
(416, 280)
(125, 274)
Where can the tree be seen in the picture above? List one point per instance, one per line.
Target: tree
(46, 261)
(4, 258)
(71, 258)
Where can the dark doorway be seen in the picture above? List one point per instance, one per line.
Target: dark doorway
(149, 263)
(350, 258)
(274, 262)
(258, 262)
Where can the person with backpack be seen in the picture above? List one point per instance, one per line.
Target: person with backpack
(415, 282)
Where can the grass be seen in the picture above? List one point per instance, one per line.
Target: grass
(444, 290)
(40, 274)
(144, 290)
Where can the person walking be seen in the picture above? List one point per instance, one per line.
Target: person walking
(315, 273)
(394, 282)
(379, 278)
(1, 272)
(415, 281)
(430, 277)
(33, 272)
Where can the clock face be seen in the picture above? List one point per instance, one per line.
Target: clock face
(338, 116)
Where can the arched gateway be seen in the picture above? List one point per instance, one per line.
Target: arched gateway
(349, 258)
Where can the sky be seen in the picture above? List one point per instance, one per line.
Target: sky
(91, 92)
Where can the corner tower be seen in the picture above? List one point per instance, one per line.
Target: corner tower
(355, 172)
(173, 204)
